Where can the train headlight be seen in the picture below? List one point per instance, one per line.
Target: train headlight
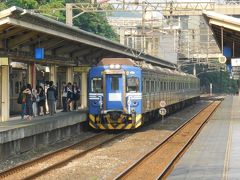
(111, 66)
(117, 66)
(114, 66)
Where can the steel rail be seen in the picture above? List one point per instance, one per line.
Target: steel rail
(169, 167)
(133, 167)
(59, 152)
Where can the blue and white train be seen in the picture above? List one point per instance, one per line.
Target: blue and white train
(122, 93)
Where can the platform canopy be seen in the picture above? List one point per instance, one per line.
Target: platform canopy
(226, 30)
(22, 31)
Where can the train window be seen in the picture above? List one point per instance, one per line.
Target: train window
(147, 86)
(132, 84)
(96, 85)
(115, 83)
(152, 86)
(144, 85)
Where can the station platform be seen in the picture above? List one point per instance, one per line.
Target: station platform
(18, 136)
(215, 153)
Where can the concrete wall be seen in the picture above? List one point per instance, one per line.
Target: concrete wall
(53, 130)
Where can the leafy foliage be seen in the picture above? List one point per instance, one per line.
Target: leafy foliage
(96, 23)
(92, 22)
(220, 80)
(27, 4)
(47, 10)
(2, 6)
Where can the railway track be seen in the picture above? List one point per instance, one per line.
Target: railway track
(157, 163)
(44, 164)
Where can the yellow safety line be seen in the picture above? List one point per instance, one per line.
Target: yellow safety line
(228, 152)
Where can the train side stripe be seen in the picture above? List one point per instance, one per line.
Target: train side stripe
(110, 126)
(93, 125)
(139, 116)
(92, 117)
(138, 124)
(101, 126)
(120, 126)
(129, 126)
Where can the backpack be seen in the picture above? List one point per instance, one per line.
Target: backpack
(20, 98)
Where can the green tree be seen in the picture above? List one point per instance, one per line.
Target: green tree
(96, 23)
(92, 22)
(48, 9)
(3, 6)
(220, 81)
(27, 4)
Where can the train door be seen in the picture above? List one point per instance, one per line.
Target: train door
(114, 92)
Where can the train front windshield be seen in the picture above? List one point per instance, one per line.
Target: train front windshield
(96, 85)
(132, 84)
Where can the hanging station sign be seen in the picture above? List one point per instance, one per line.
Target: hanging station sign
(39, 53)
(235, 61)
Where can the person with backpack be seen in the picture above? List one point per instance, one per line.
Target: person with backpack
(27, 93)
(64, 97)
(41, 101)
(51, 98)
(22, 100)
(34, 100)
(75, 96)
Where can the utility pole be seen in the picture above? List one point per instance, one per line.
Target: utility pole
(220, 80)
(69, 15)
(143, 27)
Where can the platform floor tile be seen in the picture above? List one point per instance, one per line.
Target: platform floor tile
(215, 153)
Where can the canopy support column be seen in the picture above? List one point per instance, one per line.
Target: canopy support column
(53, 74)
(84, 90)
(4, 89)
(32, 75)
(69, 77)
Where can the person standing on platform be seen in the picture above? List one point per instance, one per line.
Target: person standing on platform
(69, 96)
(51, 98)
(28, 94)
(22, 101)
(56, 89)
(64, 97)
(75, 96)
(34, 100)
(41, 101)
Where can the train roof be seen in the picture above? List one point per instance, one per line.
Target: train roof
(147, 66)
(142, 65)
(121, 61)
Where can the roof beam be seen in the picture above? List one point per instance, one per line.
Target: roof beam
(224, 24)
(67, 49)
(96, 54)
(52, 43)
(11, 32)
(82, 52)
(18, 40)
(37, 41)
(4, 26)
